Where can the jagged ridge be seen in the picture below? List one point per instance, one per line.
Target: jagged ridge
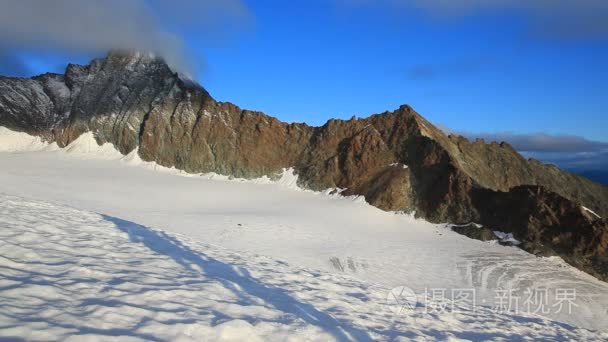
(397, 160)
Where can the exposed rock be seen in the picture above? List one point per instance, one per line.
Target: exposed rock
(537, 249)
(397, 160)
(534, 214)
(476, 232)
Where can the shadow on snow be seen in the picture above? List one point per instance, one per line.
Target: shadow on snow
(238, 280)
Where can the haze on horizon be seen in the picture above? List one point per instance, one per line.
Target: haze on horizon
(533, 74)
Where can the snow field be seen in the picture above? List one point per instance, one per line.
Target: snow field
(74, 275)
(336, 256)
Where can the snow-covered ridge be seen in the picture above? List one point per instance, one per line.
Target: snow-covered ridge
(86, 147)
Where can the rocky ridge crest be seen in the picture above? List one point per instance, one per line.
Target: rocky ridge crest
(397, 160)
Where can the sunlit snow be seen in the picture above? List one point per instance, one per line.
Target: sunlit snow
(100, 244)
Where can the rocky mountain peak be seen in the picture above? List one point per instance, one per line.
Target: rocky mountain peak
(397, 160)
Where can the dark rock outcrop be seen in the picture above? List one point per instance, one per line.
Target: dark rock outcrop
(544, 218)
(397, 160)
(476, 232)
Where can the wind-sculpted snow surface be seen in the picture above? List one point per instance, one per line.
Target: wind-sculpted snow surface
(68, 274)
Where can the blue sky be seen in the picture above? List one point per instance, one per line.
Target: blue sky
(311, 60)
(470, 66)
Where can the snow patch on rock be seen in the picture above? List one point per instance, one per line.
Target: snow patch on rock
(591, 212)
(397, 164)
(506, 237)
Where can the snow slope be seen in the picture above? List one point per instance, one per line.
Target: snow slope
(337, 236)
(68, 275)
(11, 141)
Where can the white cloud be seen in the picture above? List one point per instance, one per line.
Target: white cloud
(568, 151)
(542, 142)
(554, 18)
(100, 25)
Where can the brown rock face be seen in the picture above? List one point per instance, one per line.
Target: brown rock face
(397, 160)
(534, 214)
